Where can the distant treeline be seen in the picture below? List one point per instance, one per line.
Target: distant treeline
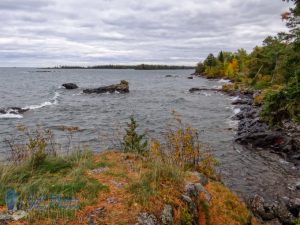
(135, 67)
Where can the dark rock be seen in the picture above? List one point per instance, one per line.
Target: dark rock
(191, 190)
(190, 77)
(169, 75)
(258, 207)
(294, 207)
(254, 132)
(70, 86)
(167, 215)
(273, 211)
(204, 89)
(123, 87)
(13, 110)
(245, 101)
(147, 219)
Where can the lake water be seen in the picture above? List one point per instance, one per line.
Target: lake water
(152, 98)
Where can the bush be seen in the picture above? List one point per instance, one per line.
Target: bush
(132, 141)
(184, 149)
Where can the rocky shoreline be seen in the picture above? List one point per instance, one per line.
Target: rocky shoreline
(253, 133)
(256, 135)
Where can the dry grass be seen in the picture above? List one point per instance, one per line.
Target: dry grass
(123, 170)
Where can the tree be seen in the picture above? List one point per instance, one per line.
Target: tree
(200, 68)
(210, 61)
(132, 141)
(221, 57)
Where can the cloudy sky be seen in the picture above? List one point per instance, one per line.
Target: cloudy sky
(89, 32)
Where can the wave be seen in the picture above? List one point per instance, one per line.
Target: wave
(235, 98)
(53, 101)
(206, 94)
(10, 116)
(232, 123)
(217, 87)
(236, 110)
(224, 81)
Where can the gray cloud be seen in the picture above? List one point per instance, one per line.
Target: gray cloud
(53, 32)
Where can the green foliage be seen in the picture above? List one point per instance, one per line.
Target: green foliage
(132, 141)
(200, 69)
(210, 61)
(186, 217)
(282, 105)
(151, 181)
(53, 175)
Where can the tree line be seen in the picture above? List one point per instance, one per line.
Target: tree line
(273, 70)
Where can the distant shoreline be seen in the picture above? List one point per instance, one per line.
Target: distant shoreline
(134, 67)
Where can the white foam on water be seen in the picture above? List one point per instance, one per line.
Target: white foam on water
(235, 98)
(217, 87)
(53, 101)
(206, 94)
(10, 116)
(232, 123)
(236, 110)
(224, 81)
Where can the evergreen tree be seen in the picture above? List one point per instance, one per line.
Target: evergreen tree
(221, 57)
(132, 141)
(210, 61)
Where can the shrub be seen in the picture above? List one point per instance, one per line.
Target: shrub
(132, 141)
(184, 149)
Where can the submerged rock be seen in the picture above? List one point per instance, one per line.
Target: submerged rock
(190, 77)
(123, 87)
(70, 86)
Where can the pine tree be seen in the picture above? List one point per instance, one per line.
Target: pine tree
(132, 141)
(210, 61)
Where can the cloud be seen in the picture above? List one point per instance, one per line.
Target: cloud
(55, 32)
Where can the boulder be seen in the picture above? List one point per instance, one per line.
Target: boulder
(190, 77)
(167, 215)
(70, 86)
(147, 219)
(123, 87)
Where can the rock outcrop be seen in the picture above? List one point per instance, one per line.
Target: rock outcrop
(70, 86)
(123, 87)
(254, 132)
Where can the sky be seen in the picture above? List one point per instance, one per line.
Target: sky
(93, 32)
